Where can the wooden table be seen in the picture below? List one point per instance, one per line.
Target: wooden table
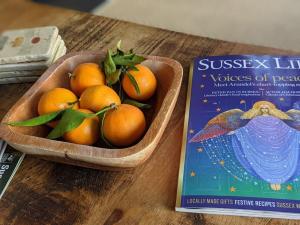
(44, 192)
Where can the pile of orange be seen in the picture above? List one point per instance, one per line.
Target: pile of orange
(122, 125)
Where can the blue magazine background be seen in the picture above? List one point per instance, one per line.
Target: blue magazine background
(205, 174)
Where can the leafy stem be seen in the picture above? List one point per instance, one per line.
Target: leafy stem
(102, 132)
(118, 63)
(71, 119)
(105, 109)
(37, 120)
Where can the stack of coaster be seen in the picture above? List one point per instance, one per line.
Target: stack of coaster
(26, 53)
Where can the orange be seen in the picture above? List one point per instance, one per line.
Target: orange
(55, 100)
(86, 75)
(124, 125)
(97, 97)
(146, 81)
(87, 133)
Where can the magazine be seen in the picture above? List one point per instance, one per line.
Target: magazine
(10, 160)
(241, 142)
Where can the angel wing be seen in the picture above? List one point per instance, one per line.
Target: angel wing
(221, 124)
(295, 121)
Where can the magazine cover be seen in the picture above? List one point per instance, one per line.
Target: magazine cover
(10, 160)
(241, 142)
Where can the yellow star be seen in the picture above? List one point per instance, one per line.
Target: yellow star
(191, 131)
(218, 109)
(232, 189)
(203, 75)
(289, 187)
(200, 149)
(202, 86)
(242, 101)
(205, 100)
(222, 162)
(281, 99)
(193, 174)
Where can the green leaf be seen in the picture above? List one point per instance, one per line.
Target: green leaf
(102, 133)
(137, 59)
(128, 56)
(43, 119)
(123, 59)
(133, 68)
(70, 120)
(114, 77)
(137, 104)
(127, 60)
(109, 65)
(119, 52)
(119, 44)
(134, 83)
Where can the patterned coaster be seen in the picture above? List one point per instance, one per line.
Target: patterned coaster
(40, 65)
(28, 45)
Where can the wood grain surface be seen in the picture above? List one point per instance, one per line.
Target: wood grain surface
(44, 192)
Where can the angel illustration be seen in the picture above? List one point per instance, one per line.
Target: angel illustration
(264, 140)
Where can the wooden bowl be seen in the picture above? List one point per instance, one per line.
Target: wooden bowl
(31, 139)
